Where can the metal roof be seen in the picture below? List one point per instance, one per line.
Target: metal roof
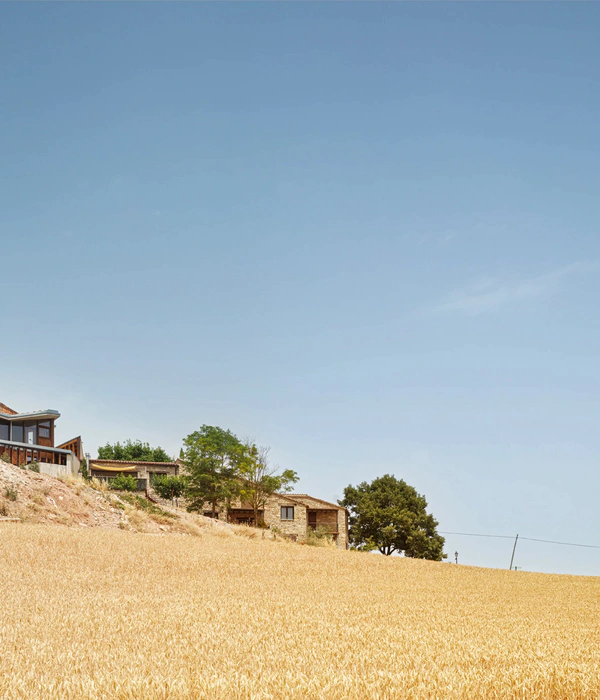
(38, 448)
(34, 415)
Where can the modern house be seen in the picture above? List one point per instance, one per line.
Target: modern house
(294, 515)
(144, 472)
(29, 437)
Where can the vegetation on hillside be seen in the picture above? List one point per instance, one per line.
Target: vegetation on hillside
(261, 479)
(220, 468)
(390, 516)
(133, 450)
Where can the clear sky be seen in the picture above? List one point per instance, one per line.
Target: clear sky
(364, 234)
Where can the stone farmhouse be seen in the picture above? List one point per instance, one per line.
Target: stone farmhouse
(29, 437)
(294, 516)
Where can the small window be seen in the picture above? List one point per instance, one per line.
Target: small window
(287, 512)
(44, 432)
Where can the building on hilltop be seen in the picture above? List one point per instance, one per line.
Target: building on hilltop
(29, 437)
(144, 472)
(294, 515)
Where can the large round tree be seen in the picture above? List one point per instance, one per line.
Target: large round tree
(389, 515)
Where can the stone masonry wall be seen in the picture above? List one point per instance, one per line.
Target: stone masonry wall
(296, 528)
(336, 520)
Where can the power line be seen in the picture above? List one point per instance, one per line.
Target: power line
(530, 539)
(565, 544)
(472, 534)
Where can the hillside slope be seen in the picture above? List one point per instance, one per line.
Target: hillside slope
(42, 499)
(92, 613)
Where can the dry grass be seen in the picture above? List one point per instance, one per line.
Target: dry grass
(104, 614)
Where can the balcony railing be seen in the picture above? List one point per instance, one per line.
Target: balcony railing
(22, 453)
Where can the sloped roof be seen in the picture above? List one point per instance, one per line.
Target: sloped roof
(313, 502)
(49, 414)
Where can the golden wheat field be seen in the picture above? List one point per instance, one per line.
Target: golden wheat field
(96, 613)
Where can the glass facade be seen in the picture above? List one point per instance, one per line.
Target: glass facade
(17, 432)
(4, 430)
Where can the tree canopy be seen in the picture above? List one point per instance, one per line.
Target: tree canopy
(389, 515)
(214, 460)
(169, 486)
(261, 480)
(133, 451)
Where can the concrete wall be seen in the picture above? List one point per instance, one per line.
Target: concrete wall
(70, 468)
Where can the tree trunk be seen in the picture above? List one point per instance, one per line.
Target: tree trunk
(255, 506)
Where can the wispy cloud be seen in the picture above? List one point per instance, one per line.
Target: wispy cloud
(491, 294)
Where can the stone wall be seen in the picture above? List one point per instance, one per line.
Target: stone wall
(294, 529)
(334, 520)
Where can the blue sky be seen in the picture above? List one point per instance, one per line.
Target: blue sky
(364, 234)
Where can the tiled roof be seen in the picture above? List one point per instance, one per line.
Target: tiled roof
(317, 500)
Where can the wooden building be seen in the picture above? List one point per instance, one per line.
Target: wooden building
(30, 437)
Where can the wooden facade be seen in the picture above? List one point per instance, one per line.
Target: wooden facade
(29, 437)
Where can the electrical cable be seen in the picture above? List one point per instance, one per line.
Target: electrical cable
(530, 539)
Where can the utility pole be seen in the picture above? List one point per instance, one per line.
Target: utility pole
(513, 553)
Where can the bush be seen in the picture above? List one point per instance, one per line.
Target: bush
(142, 503)
(34, 467)
(320, 537)
(123, 482)
(169, 487)
(11, 493)
(5, 458)
(83, 470)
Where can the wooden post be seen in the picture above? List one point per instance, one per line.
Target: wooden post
(513, 553)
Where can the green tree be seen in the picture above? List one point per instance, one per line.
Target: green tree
(389, 515)
(123, 482)
(213, 460)
(133, 451)
(261, 480)
(169, 486)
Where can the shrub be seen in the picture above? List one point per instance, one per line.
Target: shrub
(169, 487)
(11, 492)
(142, 503)
(34, 467)
(5, 458)
(123, 482)
(84, 471)
(319, 537)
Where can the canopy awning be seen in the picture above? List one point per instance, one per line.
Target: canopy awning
(105, 468)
